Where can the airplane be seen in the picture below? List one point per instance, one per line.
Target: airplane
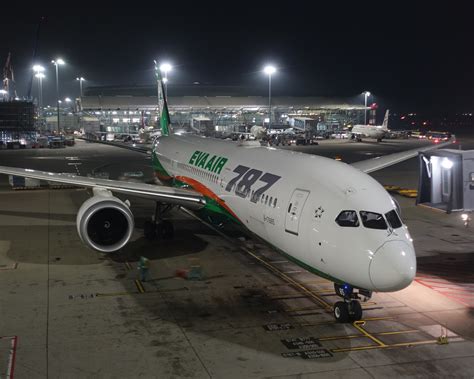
(327, 216)
(370, 131)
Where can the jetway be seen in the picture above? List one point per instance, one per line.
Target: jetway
(446, 180)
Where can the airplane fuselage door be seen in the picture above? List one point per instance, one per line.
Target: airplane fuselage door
(294, 210)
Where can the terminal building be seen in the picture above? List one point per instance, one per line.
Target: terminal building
(209, 110)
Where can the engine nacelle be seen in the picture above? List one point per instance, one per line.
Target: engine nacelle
(104, 222)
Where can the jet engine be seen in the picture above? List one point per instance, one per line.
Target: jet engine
(104, 222)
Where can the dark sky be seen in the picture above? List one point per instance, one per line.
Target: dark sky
(417, 58)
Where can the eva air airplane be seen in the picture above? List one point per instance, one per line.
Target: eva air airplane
(327, 216)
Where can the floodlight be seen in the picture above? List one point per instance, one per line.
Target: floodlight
(446, 163)
(269, 70)
(38, 68)
(166, 67)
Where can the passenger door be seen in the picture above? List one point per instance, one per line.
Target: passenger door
(294, 210)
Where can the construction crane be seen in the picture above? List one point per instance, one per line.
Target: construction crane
(35, 50)
(9, 90)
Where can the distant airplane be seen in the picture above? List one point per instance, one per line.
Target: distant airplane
(329, 217)
(370, 131)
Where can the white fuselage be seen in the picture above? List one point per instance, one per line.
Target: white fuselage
(297, 212)
(368, 131)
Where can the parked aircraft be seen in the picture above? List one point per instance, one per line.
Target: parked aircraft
(327, 216)
(370, 131)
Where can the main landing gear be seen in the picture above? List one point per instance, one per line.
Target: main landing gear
(157, 227)
(350, 309)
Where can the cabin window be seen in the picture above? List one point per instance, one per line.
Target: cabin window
(348, 218)
(274, 203)
(373, 220)
(271, 201)
(393, 219)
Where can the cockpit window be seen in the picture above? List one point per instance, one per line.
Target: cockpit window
(348, 218)
(373, 220)
(393, 219)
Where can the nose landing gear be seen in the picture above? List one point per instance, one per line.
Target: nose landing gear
(350, 309)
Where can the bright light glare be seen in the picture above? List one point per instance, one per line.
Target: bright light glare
(3, 92)
(40, 75)
(166, 67)
(81, 79)
(447, 163)
(367, 93)
(67, 100)
(38, 68)
(60, 61)
(165, 80)
(269, 70)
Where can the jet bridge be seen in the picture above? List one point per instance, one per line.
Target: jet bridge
(446, 180)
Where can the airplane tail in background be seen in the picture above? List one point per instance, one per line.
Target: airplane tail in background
(162, 104)
(385, 121)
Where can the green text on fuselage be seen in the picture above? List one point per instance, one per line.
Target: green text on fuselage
(212, 163)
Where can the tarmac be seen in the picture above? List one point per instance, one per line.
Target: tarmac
(67, 311)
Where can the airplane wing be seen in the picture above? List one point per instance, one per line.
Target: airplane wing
(378, 163)
(187, 198)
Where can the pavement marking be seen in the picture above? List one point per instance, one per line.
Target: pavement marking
(359, 326)
(13, 266)
(458, 292)
(128, 266)
(11, 356)
(139, 285)
(432, 208)
(115, 294)
(351, 336)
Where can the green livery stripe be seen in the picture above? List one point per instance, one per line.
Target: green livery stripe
(308, 268)
(160, 171)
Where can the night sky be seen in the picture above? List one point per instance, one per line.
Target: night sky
(411, 58)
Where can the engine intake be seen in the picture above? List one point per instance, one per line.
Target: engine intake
(104, 222)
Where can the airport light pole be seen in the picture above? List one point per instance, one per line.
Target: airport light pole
(166, 67)
(39, 74)
(81, 79)
(57, 63)
(366, 95)
(269, 70)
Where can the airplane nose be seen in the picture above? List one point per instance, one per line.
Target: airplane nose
(393, 266)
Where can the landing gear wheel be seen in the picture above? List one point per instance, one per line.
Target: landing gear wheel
(341, 312)
(356, 311)
(149, 230)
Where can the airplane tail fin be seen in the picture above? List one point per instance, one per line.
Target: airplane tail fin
(162, 104)
(385, 120)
